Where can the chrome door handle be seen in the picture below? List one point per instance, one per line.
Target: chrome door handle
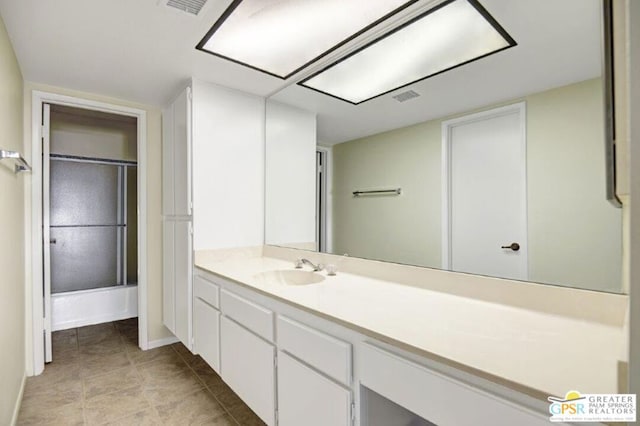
(512, 246)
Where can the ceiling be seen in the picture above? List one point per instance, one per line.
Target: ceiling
(558, 44)
(138, 50)
(144, 51)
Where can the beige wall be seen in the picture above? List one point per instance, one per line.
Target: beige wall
(95, 135)
(574, 233)
(156, 329)
(403, 229)
(12, 284)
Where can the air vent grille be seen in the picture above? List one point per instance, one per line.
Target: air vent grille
(405, 96)
(190, 6)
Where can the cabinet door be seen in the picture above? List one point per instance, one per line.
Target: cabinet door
(182, 153)
(167, 161)
(183, 277)
(306, 397)
(206, 332)
(168, 275)
(247, 364)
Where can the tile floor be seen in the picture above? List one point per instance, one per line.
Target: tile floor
(99, 376)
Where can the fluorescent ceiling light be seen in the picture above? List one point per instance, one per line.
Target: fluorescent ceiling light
(280, 37)
(454, 33)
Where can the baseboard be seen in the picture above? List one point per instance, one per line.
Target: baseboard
(16, 408)
(152, 344)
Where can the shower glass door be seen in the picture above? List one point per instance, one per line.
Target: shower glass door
(88, 224)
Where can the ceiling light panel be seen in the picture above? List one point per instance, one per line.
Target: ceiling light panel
(281, 37)
(452, 34)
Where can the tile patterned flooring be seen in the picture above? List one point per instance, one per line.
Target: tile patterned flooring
(99, 376)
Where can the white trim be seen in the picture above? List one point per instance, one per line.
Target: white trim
(152, 344)
(46, 226)
(321, 215)
(633, 123)
(38, 98)
(521, 109)
(328, 199)
(18, 403)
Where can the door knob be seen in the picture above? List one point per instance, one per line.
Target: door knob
(512, 246)
(53, 241)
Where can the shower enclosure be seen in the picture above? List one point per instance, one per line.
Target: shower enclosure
(90, 204)
(93, 223)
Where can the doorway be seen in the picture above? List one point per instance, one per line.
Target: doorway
(485, 193)
(321, 199)
(88, 217)
(89, 187)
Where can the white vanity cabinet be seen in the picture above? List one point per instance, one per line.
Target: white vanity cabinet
(212, 189)
(314, 377)
(177, 252)
(248, 358)
(306, 397)
(292, 367)
(206, 321)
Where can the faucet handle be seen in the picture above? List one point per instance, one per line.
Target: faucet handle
(331, 269)
(298, 263)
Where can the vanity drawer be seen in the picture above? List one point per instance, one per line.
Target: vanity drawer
(430, 394)
(207, 291)
(254, 317)
(323, 352)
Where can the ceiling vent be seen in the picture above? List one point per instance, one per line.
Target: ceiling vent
(405, 96)
(190, 6)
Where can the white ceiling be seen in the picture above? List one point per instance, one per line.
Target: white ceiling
(143, 51)
(558, 44)
(139, 50)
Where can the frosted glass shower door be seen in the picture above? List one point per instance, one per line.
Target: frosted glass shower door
(86, 225)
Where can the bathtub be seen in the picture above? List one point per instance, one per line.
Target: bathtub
(85, 307)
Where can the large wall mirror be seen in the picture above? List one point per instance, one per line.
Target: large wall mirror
(496, 167)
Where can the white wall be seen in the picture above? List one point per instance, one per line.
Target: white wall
(228, 167)
(290, 216)
(12, 255)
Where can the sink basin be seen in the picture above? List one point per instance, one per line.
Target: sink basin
(289, 277)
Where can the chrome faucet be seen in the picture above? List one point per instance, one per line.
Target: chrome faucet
(316, 268)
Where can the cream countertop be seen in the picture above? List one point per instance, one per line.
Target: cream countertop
(541, 350)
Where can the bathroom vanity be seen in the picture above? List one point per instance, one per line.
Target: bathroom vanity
(382, 342)
(301, 347)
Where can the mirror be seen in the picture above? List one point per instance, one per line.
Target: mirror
(497, 167)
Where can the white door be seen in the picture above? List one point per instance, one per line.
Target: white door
(484, 197)
(46, 232)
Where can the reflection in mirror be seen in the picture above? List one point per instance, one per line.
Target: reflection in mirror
(500, 163)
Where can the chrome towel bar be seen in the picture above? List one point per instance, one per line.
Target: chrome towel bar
(395, 191)
(21, 163)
